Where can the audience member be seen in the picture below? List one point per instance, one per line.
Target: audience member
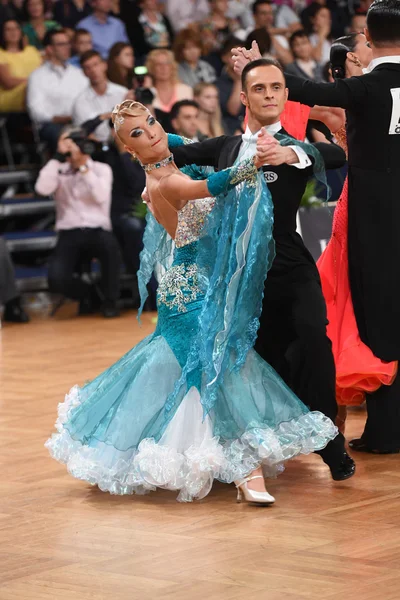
(105, 29)
(82, 192)
(285, 18)
(121, 62)
(9, 296)
(358, 23)
(16, 64)
(163, 68)
(68, 13)
(9, 11)
(273, 40)
(185, 119)
(304, 64)
(148, 29)
(209, 119)
(36, 25)
(321, 38)
(271, 46)
(217, 27)
(53, 88)
(241, 11)
(188, 50)
(182, 13)
(99, 98)
(229, 87)
(81, 43)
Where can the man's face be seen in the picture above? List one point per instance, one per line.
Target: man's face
(358, 23)
(60, 48)
(83, 43)
(264, 16)
(95, 70)
(104, 6)
(265, 94)
(302, 48)
(187, 122)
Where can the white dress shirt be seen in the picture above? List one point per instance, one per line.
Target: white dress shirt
(249, 143)
(52, 91)
(381, 61)
(90, 104)
(82, 199)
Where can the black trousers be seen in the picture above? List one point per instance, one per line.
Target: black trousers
(74, 247)
(292, 339)
(382, 429)
(8, 288)
(129, 232)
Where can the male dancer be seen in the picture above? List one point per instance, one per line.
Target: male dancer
(292, 335)
(373, 135)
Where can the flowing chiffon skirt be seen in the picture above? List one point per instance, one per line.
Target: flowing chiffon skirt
(138, 426)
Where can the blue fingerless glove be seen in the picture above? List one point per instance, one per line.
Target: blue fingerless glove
(177, 140)
(224, 181)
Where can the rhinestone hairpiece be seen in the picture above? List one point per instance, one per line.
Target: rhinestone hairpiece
(118, 119)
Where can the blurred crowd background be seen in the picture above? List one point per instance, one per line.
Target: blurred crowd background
(71, 215)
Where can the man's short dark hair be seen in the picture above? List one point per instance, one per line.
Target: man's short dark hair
(79, 32)
(88, 55)
(261, 62)
(48, 39)
(258, 3)
(297, 35)
(383, 23)
(175, 110)
(231, 42)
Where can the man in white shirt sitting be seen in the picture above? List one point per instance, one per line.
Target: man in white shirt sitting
(82, 192)
(99, 98)
(53, 88)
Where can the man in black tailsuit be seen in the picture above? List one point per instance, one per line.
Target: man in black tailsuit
(292, 335)
(372, 102)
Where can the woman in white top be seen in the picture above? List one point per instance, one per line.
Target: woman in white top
(321, 38)
(163, 68)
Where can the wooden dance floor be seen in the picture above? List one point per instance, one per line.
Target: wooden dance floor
(61, 539)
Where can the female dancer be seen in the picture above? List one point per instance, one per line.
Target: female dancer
(357, 369)
(193, 402)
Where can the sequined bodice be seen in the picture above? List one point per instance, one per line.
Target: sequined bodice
(180, 286)
(191, 221)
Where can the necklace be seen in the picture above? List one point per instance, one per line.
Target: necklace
(163, 163)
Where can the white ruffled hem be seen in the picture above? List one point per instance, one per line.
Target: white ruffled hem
(190, 469)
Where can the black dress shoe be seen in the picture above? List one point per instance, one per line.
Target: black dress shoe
(14, 313)
(360, 446)
(344, 469)
(110, 310)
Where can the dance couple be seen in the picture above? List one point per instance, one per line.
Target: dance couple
(197, 400)
(363, 252)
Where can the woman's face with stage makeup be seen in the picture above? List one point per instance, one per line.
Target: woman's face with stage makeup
(144, 136)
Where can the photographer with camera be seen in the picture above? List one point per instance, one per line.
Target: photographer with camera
(82, 192)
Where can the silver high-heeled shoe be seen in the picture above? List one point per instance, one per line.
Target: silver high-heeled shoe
(252, 496)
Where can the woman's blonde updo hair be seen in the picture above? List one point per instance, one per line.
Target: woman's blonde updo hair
(127, 108)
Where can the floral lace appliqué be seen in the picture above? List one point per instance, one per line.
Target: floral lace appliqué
(179, 286)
